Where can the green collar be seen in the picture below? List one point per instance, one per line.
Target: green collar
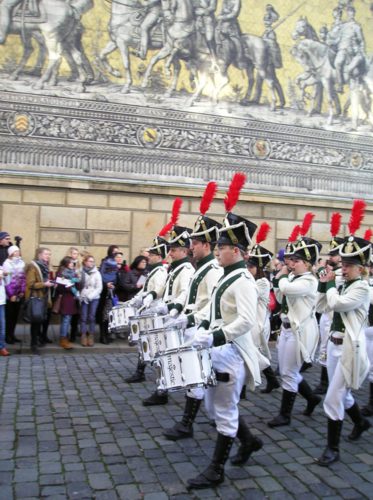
(206, 259)
(178, 263)
(153, 266)
(233, 267)
(348, 283)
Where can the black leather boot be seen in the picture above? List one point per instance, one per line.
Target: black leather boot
(331, 452)
(243, 392)
(312, 399)
(272, 382)
(139, 375)
(305, 366)
(248, 443)
(214, 474)
(103, 334)
(184, 429)
(157, 398)
(287, 403)
(367, 410)
(324, 382)
(361, 424)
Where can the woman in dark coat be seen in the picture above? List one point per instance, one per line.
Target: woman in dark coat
(129, 282)
(69, 297)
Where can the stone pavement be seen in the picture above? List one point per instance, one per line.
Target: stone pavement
(71, 428)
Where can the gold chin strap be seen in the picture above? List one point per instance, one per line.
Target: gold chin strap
(204, 227)
(232, 236)
(260, 261)
(361, 255)
(306, 251)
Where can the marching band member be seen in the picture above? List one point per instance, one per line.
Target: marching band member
(367, 410)
(180, 273)
(333, 263)
(258, 258)
(347, 359)
(203, 282)
(153, 290)
(232, 315)
(299, 337)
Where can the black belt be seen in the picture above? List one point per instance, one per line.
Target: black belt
(286, 324)
(335, 340)
(222, 377)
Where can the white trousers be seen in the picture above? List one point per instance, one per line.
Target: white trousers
(369, 342)
(287, 361)
(338, 397)
(221, 401)
(324, 329)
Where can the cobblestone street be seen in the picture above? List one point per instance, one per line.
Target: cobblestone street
(72, 428)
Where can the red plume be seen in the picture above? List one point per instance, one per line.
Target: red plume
(357, 215)
(174, 217)
(263, 232)
(166, 229)
(233, 193)
(335, 223)
(368, 234)
(294, 234)
(306, 224)
(176, 210)
(207, 197)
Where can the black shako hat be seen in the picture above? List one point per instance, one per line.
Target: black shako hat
(307, 249)
(356, 250)
(259, 256)
(206, 230)
(159, 247)
(236, 231)
(179, 237)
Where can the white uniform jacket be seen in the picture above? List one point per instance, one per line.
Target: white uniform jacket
(232, 316)
(300, 292)
(200, 290)
(352, 302)
(155, 281)
(339, 280)
(262, 317)
(175, 293)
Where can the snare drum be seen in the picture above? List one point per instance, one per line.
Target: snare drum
(157, 341)
(145, 322)
(186, 367)
(119, 318)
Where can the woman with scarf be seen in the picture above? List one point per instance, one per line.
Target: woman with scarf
(90, 291)
(39, 285)
(67, 279)
(15, 286)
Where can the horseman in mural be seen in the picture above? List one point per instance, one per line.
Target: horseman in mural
(152, 17)
(205, 22)
(132, 25)
(351, 34)
(57, 22)
(228, 28)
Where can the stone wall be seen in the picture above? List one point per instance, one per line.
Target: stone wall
(91, 215)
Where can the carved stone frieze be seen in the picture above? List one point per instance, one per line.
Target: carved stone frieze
(54, 136)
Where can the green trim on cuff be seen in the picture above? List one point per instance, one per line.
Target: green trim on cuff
(330, 285)
(191, 320)
(204, 324)
(283, 276)
(170, 306)
(153, 294)
(219, 338)
(321, 287)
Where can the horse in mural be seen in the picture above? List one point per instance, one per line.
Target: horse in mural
(53, 32)
(124, 29)
(184, 43)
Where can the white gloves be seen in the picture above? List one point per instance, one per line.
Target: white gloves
(203, 338)
(180, 322)
(148, 299)
(160, 309)
(174, 312)
(135, 302)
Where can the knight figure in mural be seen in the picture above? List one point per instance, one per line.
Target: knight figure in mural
(351, 34)
(152, 16)
(205, 22)
(228, 27)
